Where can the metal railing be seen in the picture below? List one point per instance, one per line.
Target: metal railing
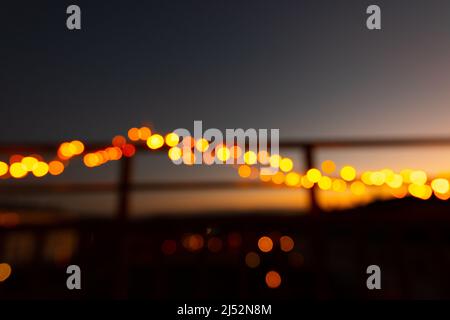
(125, 186)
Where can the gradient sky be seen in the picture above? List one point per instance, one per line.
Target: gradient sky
(309, 68)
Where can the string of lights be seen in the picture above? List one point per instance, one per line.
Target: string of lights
(416, 183)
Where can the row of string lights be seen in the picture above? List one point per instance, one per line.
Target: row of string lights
(328, 177)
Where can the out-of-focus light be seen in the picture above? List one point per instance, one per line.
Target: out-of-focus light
(77, 147)
(172, 139)
(273, 279)
(17, 170)
(222, 153)
(91, 160)
(358, 188)
(194, 242)
(215, 244)
(29, 163)
(114, 153)
(328, 166)
(418, 177)
(314, 175)
(236, 152)
(339, 185)
(325, 183)
(156, 141)
(5, 271)
(128, 150)
(169, 247)
(306, 183)
(15, 158)
(252, 260)
(265, 244)
(348, 173)
(3, 168)
(292, 179)
(244, 171)
(264, 176)
(406, 173)
(234, 240)
(423, 192)
(286, 243)
(250, 158)
(55, 167)
(119, 141)
(440, 185)
(286, 164)
(202, 145)
(188, 158)
(263, 157)
(275, 161)
(41, 169)
(377, 178)
(278, 178)
(133, 134)
(188, 142)
(174, 153)
(66, 150)
(144, 133)
(395, 182)
(366, 178)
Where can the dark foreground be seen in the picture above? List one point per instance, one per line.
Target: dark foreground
(206, 258)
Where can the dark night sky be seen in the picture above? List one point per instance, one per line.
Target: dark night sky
(310, 68)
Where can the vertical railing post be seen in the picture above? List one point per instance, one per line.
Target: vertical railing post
(123, 203)
(122, 215)
(309, 161)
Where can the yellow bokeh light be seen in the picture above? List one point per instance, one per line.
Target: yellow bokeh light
(292, 179)
(314, 175)
(325, 183)
(339, 185)
(358, 188)
(395, 182)
(423, 192)
(17, 170)
(306, 183)
(286, 164)
(156, 141)
(418, 177)
(174, 153)
(77, 147)
(3, 168)
(41, 169)
(348, 173)
(377, 178)
(440, 185)
(172, 139)
(202, 145)
(29, 163)
(406, 173)
(328, 166)
(275, 161)
(222, 153)
(250, 157)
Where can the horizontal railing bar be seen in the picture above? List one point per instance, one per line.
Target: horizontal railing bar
(144, 186)
(381, 142)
